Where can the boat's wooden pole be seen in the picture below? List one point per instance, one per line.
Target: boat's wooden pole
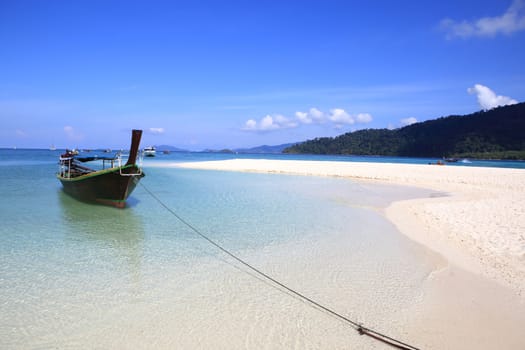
(135, 142)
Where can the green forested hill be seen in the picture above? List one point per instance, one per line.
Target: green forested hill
(497, 133)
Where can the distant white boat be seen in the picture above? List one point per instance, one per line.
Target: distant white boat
(149, 151)
(52, 148)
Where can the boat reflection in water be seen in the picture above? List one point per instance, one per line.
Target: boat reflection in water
(106, 239)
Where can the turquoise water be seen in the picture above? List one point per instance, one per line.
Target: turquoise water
(79, 275)
(34, 156)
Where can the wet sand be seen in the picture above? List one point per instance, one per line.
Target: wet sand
(474, 219)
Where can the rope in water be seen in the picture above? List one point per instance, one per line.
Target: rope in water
(362, 330)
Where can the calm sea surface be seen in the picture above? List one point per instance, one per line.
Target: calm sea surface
(79, 275)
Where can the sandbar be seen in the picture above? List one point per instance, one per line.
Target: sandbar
(476, 219)
(473, 219)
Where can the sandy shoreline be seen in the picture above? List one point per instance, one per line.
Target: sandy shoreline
(476, 219)
(470, 226)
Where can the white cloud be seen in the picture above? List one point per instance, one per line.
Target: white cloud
(250, 125)
(156, 131)
(316, 115)
(340, 117)
(363, 118)
(488, 99)
(511, 21)
(284, 122)
(269, 123)
(408, 121)
(303, 117)
(337, 116)
(312, 116)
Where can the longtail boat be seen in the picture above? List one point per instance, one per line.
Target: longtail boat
(109, 185)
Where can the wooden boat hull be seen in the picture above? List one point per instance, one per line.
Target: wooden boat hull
(109, 187)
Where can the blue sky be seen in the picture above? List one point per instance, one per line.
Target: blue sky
(230, 74)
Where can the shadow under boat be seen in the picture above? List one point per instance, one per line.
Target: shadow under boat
(118, 232)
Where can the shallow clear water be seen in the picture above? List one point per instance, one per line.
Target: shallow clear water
(75, 275)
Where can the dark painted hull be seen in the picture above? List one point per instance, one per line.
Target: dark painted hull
(108, 186)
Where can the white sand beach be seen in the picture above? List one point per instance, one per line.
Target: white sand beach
(475, 220)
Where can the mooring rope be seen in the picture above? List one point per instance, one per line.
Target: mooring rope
(362, 330)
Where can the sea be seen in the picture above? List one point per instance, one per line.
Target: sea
(156, 274)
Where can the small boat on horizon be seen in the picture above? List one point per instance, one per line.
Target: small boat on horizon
(149, 151)
(111, 184)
